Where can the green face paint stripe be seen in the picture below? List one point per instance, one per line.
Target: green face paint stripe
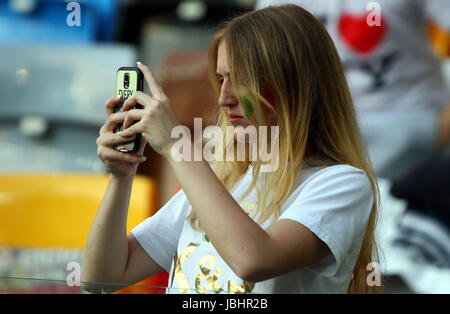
(248, 107)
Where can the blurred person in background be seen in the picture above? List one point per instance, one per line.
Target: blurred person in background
(395, 78)
(307, 226)
(424, 228)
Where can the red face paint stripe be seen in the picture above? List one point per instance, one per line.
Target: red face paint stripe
(270, 97)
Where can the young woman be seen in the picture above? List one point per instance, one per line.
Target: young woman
(306, 226)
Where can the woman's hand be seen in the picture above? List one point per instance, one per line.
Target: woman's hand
(156, 120)
(119, 164)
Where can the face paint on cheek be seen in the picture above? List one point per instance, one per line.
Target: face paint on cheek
(248, 107)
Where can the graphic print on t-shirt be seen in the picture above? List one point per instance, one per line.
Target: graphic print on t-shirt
(355, 31)
(364, 42)
(376, 69)
(202, 259)
(208, 275)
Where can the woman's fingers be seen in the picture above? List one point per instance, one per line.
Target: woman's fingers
(111, 140)
(112, 103)
(113, 121)
(152, 82)
(109, 154)
(132, 130)
(132, 115)
(138, 98)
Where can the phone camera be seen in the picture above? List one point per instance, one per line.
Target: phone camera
(126, 81)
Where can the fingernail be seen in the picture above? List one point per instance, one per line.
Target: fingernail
(142, 159)
(118, 96)
(138, 63)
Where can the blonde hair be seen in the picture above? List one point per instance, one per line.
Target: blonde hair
(286, 49)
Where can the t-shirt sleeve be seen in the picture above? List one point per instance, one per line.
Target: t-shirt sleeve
(335, 205)
(159, 234)
(438, 11)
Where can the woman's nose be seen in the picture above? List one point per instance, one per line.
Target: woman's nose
(227, 96)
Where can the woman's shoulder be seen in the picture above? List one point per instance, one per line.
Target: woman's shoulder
(338, 174)
(333, 185)
(336, 168)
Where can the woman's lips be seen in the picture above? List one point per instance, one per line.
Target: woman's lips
(234, 118)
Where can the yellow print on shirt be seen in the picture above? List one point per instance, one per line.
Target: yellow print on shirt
(182, 281)
(206, 266)
(246, 287)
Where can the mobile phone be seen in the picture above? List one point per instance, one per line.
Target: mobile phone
(129, 81)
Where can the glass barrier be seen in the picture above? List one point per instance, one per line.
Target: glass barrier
(17, 285)
(56, 270)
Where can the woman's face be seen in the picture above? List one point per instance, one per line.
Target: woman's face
(231, 104)
(228, 98)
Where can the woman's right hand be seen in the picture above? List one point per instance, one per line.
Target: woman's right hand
(119, 164)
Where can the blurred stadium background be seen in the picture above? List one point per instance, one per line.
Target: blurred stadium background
(54, 80)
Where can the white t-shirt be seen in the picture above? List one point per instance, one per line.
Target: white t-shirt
(390, 67)
(333, 202)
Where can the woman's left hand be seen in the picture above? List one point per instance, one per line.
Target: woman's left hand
(156, 120)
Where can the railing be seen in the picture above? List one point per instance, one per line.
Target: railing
(23, 285)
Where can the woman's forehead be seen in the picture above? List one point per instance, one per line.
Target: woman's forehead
(222, 60)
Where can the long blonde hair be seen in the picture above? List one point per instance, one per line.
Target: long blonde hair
(287, 49)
